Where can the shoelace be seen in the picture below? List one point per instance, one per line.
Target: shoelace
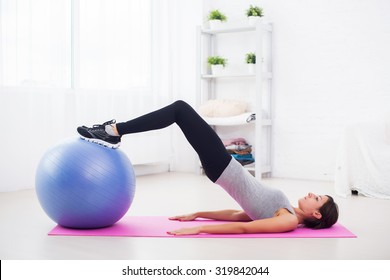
(102, 126)
(113, 121)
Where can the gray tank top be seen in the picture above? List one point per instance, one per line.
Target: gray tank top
(258, 201)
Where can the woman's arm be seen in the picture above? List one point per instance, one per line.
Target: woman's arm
(281, 223)
(222, 215)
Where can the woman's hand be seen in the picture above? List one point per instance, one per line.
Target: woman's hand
(185, 231)
(182, 218)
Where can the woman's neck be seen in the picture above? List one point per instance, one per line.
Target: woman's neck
(300, 215)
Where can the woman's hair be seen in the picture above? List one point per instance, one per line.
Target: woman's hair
(330, 214)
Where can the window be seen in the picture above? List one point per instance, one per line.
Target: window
(114, 44)
(88, 44)
(35, 43)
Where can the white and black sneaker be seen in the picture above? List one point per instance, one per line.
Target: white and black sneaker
(97, 134)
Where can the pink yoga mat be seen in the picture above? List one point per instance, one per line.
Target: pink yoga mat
(157, 226)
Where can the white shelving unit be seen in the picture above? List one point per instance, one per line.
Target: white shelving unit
(207, 45)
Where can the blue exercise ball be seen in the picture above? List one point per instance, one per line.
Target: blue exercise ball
(84, 185)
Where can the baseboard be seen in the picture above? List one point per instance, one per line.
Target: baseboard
(151, 168)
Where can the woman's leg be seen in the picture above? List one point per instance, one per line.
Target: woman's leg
(200, 135)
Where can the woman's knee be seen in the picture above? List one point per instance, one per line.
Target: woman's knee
(183, 108)
(180, 104)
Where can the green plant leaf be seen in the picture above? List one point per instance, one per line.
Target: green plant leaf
(254, 11)
(216, 60)
(216, 14)
(250, 58)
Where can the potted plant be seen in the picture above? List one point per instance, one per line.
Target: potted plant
(217, 64)
(254, 13)
(215, 19)
(250, 59)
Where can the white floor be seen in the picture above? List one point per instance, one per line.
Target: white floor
(24, 226)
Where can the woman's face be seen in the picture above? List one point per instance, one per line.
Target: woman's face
(311, 203)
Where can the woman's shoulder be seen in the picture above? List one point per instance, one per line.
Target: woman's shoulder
(284, 211)
(287, 217)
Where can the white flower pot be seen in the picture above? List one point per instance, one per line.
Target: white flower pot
(251, 68)
(253, 20)
(215, 23)
(217, 69)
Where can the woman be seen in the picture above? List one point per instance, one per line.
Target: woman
(264, 209)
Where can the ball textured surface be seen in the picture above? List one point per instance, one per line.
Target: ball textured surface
(85, 185)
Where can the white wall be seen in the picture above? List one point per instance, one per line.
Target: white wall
(330, 65)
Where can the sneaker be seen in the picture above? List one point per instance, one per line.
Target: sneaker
(97, 134)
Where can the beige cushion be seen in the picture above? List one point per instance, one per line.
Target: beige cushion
(222, 108)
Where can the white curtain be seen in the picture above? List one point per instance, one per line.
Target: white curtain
(68, 63)
(363, 162)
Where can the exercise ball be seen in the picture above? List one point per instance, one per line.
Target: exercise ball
(84, 185)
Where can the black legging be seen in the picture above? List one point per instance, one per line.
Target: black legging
(200, 135)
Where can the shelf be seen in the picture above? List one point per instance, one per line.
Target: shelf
(266, 75)
(211, 86)
(243, 119)
(266, 26)
(228, 30)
